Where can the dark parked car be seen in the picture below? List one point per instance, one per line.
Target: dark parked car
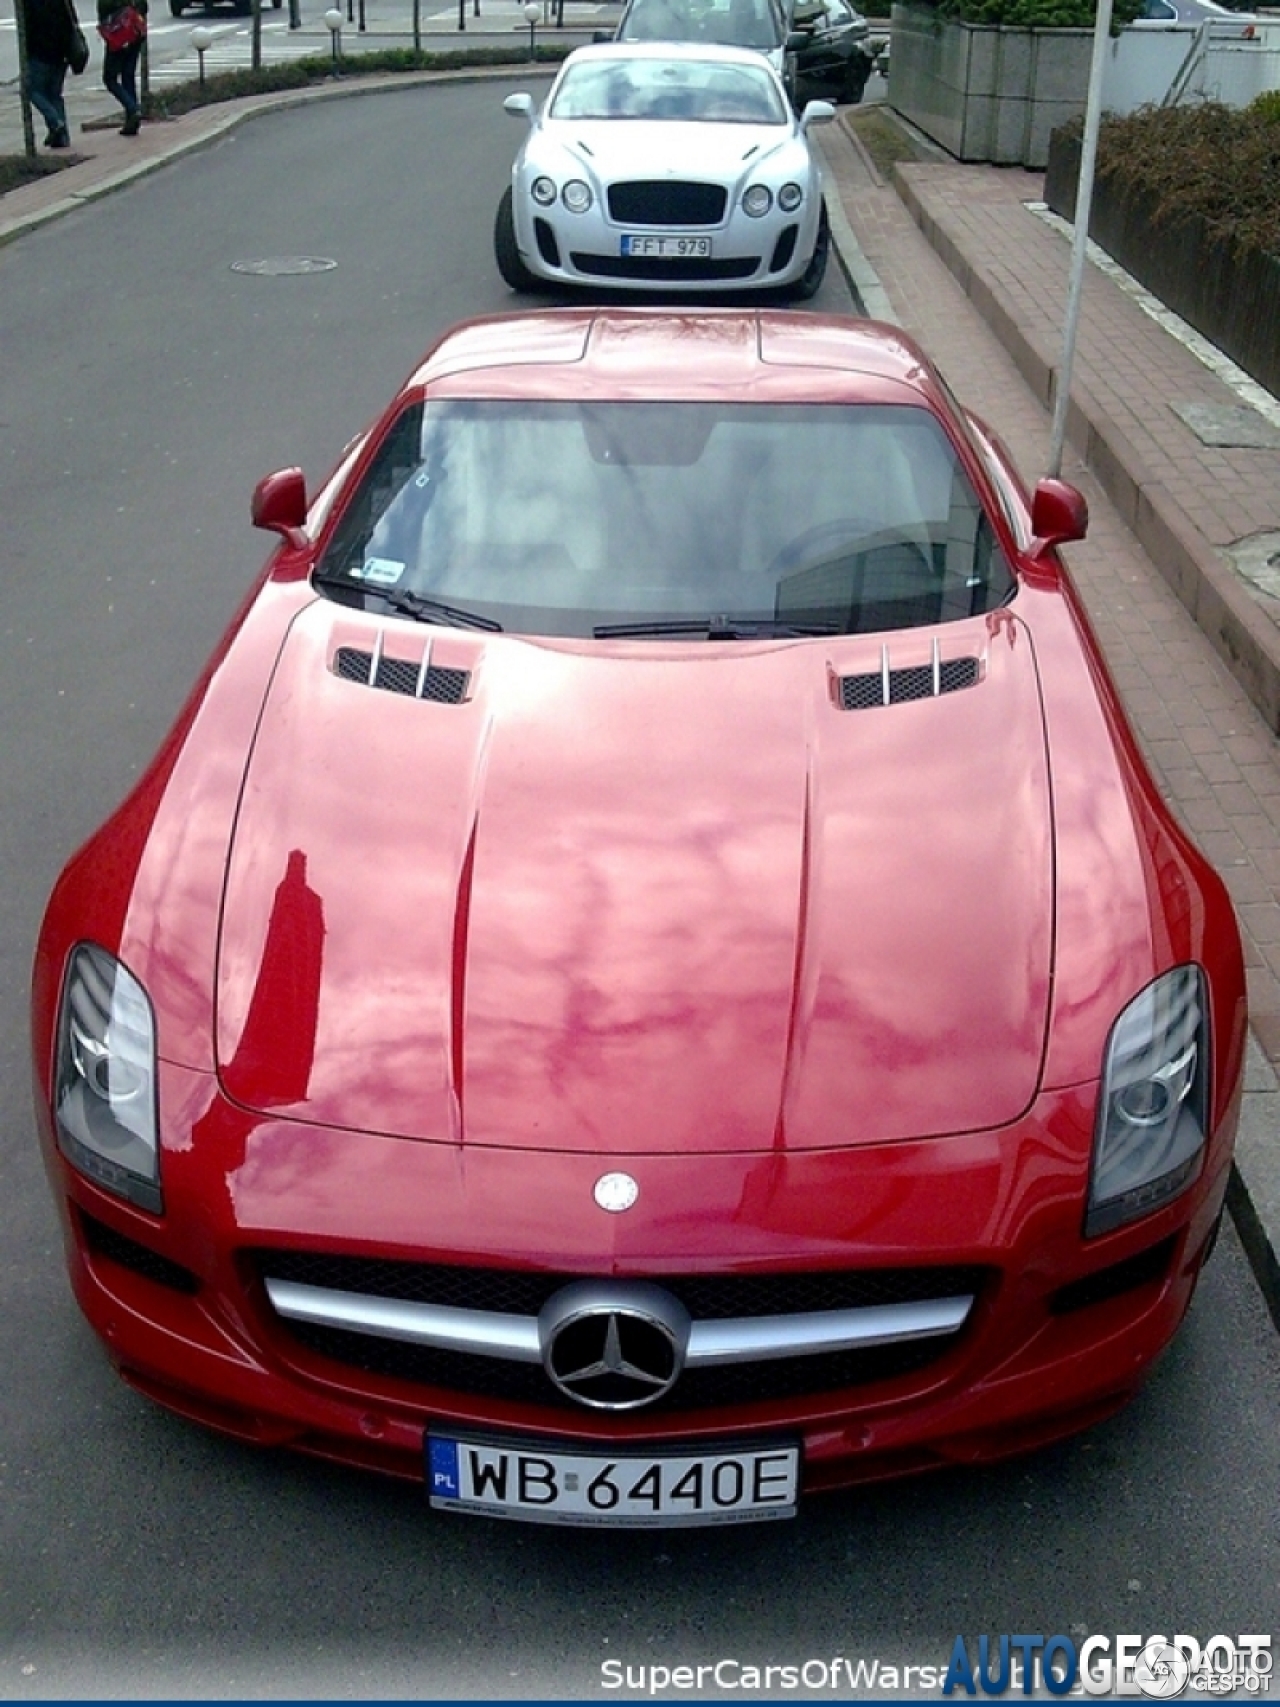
(242, 8)
(822, 48)
(836, 54)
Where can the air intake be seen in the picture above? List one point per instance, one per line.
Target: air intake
(887, 686)
(420, 680)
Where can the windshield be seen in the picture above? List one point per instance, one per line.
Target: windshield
(582, 518)
(736, 23)
(668, 89)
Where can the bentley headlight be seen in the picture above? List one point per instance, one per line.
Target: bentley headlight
(1153, 1107)
(789, 197)
(543, 191)
(757, 201)
(576, 195)
(104, 1093)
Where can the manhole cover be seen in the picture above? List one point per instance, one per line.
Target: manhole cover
(1228, 426)
(276, 266)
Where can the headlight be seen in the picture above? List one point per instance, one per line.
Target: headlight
(576, 195)
(104, 1094)
(543, 191)
(757, 201)
(789, 197)
(1153, 1106)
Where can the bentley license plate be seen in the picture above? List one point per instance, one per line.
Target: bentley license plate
(698, 248)
(643, 1489)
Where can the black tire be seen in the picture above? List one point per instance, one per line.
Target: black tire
(513, 270)
(810, 281)
(177, 7)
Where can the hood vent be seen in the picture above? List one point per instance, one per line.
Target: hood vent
(420, 680)
(887, 686)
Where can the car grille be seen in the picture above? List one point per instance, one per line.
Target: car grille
(705, 1297)
(657, 202)
(774, 1382)
(674, 269)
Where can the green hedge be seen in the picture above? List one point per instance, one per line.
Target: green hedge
(1219, 163)
(1034, 14)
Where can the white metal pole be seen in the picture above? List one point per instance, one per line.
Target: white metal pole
(1080, 238)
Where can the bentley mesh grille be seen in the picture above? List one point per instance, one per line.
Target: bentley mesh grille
(894, 687)
(656, 202)
(402, 675)
(707, 1297)
(772, 1382)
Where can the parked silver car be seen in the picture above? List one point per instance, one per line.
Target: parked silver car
(662, 166)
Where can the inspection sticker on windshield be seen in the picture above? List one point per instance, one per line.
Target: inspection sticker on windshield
(627, 1489)
(382, 571)
(698, 248)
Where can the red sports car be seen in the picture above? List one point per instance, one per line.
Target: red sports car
(650, 976)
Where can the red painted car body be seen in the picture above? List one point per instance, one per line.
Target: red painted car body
(832, 986)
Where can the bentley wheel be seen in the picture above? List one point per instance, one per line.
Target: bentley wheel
(505, 252)
(810, 281)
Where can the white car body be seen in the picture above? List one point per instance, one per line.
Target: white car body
(666, 187)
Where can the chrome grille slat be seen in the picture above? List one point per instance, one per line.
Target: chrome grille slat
(515, 1338)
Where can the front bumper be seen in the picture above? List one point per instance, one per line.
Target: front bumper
(1059, 1335)
(585, 249)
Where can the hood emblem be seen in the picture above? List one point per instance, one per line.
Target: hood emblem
(615, 1192)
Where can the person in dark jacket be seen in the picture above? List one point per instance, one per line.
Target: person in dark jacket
(49, 27)
(120, 67)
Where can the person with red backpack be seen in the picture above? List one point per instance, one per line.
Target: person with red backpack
(123, 30)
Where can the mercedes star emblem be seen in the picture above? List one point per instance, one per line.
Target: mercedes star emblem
(613, 1345)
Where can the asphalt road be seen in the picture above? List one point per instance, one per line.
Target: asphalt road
(145, 384)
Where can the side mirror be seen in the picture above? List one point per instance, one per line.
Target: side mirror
(1059, 514)
(280, 506)
(519, 106)
(798, 39)
(816, 112)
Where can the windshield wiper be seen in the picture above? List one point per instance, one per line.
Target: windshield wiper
(417, 605)
(715, 628)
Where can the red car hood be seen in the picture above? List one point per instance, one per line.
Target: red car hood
(643, 898)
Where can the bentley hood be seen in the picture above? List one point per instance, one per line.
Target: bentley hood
(640, 898)
(614, 152)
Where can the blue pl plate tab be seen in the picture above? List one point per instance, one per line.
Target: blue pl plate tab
(442, 1468)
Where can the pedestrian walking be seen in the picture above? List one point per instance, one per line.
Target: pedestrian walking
(123, 30)
(55, 44)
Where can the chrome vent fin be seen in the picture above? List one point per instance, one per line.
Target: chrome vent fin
(420, 680)
(890, 686)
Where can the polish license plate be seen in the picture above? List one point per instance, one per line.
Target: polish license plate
(697, 248)
(632, 1489)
